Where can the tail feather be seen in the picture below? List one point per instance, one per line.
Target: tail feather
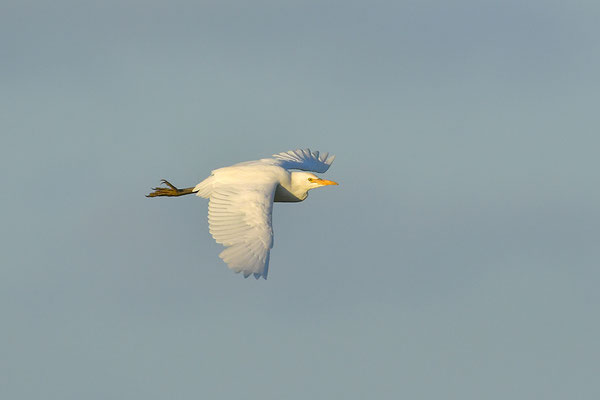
(204, 188)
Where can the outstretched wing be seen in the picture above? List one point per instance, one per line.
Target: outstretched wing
(304, 159)
(239, 217)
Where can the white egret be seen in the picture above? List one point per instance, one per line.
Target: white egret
(241, 203)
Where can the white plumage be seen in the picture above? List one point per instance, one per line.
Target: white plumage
(241, 203)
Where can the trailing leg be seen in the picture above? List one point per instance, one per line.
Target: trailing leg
(170, 190)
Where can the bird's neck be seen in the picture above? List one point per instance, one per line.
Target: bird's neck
(287, 194)
(291, 189)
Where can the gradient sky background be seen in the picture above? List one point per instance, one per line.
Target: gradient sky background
(458, 259)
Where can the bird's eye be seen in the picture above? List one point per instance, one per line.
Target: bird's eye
(310, 179)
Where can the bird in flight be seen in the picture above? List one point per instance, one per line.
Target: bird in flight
(241, 202)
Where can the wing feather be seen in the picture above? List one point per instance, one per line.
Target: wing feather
(305, 160)
(239, 217)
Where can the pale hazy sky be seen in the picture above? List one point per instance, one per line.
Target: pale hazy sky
(458, 259)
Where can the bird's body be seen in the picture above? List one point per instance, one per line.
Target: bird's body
(241, 200)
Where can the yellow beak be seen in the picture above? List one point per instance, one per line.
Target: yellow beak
(324, 182)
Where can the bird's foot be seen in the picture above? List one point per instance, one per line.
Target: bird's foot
(168, 191)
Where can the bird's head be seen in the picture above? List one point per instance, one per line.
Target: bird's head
(306, 181)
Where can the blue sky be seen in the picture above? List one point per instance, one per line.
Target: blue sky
(458, 258)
